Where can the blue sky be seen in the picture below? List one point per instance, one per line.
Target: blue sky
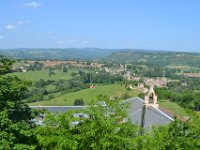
(145, 24)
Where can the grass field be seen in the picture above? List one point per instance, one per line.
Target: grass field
(50, 88)
(88, 95)
(18, 64)
(43, 74)
(173, 107)
(184, 69)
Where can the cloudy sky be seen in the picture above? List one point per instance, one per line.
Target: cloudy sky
(145, 24)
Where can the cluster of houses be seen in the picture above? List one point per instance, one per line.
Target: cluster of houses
(156, 82)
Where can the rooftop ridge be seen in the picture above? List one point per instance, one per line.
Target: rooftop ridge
(160, 111)
(124, 101)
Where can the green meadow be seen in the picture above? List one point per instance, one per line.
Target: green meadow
(18, 64)
(173, 107)
(88, 95)
(43, 74)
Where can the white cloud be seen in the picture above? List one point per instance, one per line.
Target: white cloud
(1, 37)
(21, 22)
(72, 40)
(16, 25)
(40, 36)
(50, 32)
(32, 5)
(11, 27)
(54, 37)
(61, 42)
(66, 41)
(85, 42)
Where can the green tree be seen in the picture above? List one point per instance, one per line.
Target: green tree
(78, 102)
(15, 129)
(97, 127)
(65, 69)
(177, 135)
(41, 83)
(51, 72)
(5, 64)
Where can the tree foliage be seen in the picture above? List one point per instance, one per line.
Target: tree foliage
(98, 127)
(78, 102)
(5, 64)
(15, 129)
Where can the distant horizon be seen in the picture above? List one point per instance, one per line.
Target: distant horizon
(114, 49)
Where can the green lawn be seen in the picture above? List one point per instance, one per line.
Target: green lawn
(88, 95)
(173, 107)
(42, 74)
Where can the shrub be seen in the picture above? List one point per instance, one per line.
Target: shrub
(78, 102)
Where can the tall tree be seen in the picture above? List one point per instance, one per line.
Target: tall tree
(15, 131)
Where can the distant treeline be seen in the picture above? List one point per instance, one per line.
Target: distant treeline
(156, 58)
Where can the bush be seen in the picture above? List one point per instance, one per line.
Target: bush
(125, 96)
(51, 97)
(78, 102)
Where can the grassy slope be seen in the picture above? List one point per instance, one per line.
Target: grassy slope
(42, 74)
(173, 107)
(88, 95)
